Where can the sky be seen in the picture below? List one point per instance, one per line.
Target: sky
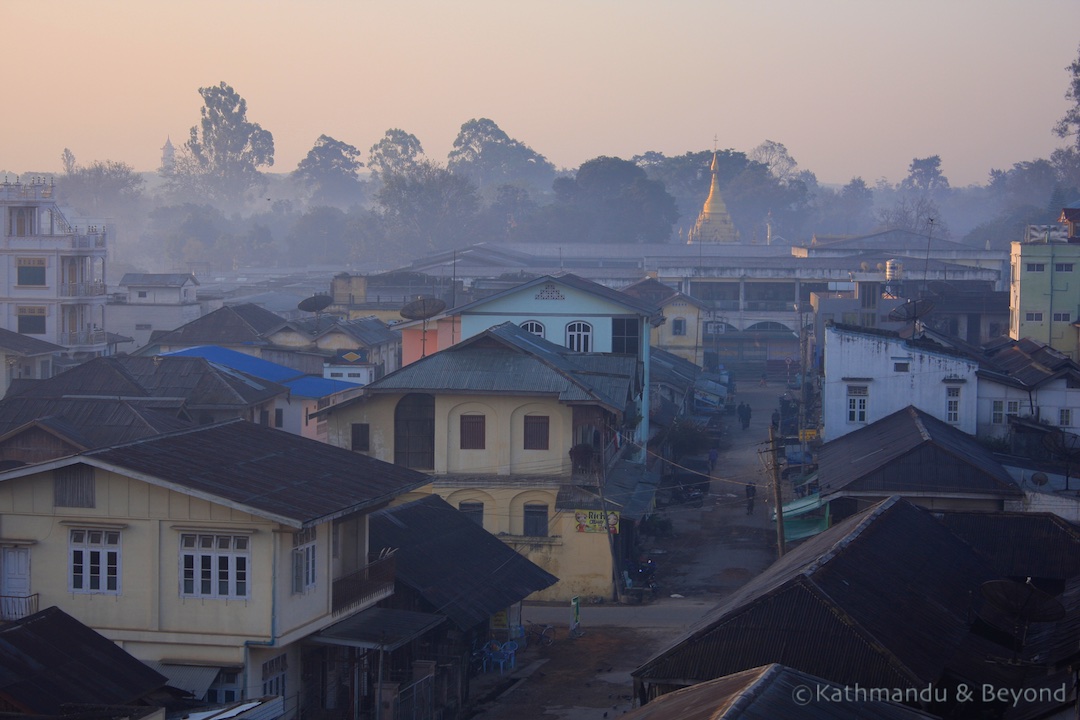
(852, 88)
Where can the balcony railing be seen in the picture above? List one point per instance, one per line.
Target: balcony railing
(365, 586)
(85, 337)
(16, 607)
(82, 289)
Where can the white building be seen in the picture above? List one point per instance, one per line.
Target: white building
(870, 374)
(52, 273)
(152, 301)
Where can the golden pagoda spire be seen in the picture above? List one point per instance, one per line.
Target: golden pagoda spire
(714, 223)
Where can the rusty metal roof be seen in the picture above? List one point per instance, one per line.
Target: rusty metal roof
(266, 472)
(770, 692)
(884, 599)
(911, 451)
(460, 569)
(50, 659)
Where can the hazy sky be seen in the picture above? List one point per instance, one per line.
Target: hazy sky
(851, 87)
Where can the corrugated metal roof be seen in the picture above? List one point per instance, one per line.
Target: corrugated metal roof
(267, 472)
(50, 659)
(19, 344)
(884, 599)
(506, 359)
(157, 279)
(244, 324)
(771, 692)
(459, 568)
(379, 628)
(192, 679)
(880, 457)
(93, 422)
(642, 307)
(1020, 544)
(243, 362)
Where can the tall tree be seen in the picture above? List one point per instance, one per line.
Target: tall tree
(101, 189)
(491, 158)
(917, 214)
(331, 172)
(225, 149)
(611, 200)
(776, 157)
(1069, 124)
(925, 176)
(397, 152)
(426, 208)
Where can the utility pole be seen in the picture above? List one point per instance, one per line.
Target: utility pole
(774, 439)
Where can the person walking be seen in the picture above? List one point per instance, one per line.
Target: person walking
(776, 419)
(744, 415)
(714, 454)
(751, 493)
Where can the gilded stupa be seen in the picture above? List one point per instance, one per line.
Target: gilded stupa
(714, 223)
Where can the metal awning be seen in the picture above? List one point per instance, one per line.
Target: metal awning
(379, 628)
(194, 679)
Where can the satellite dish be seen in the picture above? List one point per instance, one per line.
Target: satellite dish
(315, 303)
(911, 310)
(1039, 478)
(1022, 601)
(422, 308)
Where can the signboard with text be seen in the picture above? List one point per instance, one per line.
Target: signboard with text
(597, 521)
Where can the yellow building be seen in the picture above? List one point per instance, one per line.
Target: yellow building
(522, 435)
(714, 224)
(223, 549)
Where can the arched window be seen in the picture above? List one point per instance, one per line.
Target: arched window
(531, 326)
(579, 336)
(414, 432)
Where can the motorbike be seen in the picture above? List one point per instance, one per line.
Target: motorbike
(687, 495)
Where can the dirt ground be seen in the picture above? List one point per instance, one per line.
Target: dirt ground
(573, 680)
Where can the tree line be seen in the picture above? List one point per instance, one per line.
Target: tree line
(216, 205)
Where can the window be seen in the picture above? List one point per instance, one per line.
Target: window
(1065, 417)
(95, 561)
(579, 336)
(141, 293)
(856, 403)
(273, 675)
(143, 326)
(225, 688)
(1036, 267)
(1033, 317)
(901, 367)
(336, 374)
(1063, 267)
(73, 486)
(536, 520)
(1012, 407)
(624, 335)
(997, 412)
(536, 432)
(414, 432)
(31, 319)
(531, 326)
(264, 417)
(472, 432)
(1062, 317)
(214, 566)
(304, 560)
(279, 418)
(31, 271)
(361, 437)
(952, 404)
(678, 327)
(474, 511)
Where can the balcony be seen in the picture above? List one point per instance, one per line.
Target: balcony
(365, 586)
(82, 289)
(16, 607)
(85, 337)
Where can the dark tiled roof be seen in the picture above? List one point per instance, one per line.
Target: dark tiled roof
(911, 451)
(267, 472)
(49, 660)
(884, 599)
(245, 324)
(20, 344)
(367, 331)
(460, 569)
(637, 305)
(157, 279)
(767, 693)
